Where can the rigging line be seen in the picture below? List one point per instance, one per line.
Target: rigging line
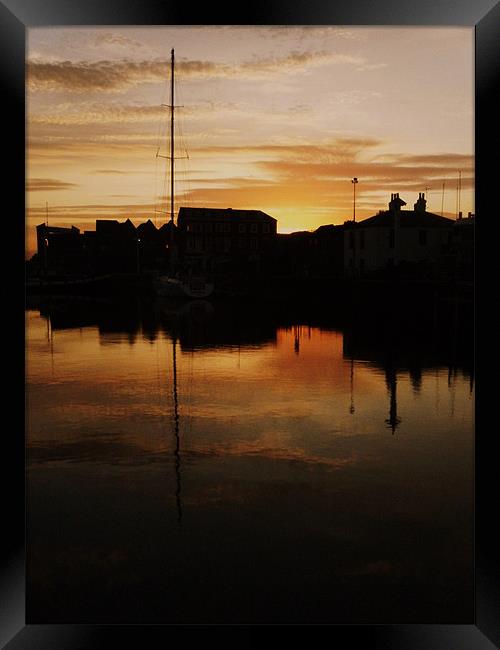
(177, 454)
(182, 140)
(158, 383)
(190, 382)
(160, 136)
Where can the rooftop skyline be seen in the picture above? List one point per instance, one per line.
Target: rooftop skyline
(277, 119)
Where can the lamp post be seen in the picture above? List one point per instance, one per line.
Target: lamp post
(354, 183)
(45, 254)
(137, 248)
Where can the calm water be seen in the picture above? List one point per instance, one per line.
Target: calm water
(207, 464)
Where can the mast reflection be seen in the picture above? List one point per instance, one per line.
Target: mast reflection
(391, 379)
(177, 453)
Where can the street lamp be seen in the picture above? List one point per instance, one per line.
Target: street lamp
(45, 253)
(137, 248)
(354, 182)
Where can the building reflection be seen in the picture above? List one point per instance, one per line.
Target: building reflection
(409, 350)
(196, 324)
(397, 347)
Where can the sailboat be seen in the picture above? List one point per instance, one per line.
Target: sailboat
(177, 284)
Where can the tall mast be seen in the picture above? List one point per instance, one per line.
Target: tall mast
(172, 140)
(459, 188)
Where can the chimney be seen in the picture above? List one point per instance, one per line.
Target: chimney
(460, 215)
(396, 203)
(420, 205)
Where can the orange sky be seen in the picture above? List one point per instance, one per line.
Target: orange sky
(272, 118)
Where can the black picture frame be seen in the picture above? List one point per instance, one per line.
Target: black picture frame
(18, 15)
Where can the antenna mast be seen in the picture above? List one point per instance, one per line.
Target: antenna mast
(459, 189)
(172, 139)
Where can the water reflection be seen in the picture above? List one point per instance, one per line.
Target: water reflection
(177, 452)
(202, 325)
(391, 381)
(274, 464)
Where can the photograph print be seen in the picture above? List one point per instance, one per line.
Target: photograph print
(249, 325)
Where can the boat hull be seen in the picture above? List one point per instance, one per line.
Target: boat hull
(178, 288)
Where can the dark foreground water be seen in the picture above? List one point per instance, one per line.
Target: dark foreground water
(207, 463)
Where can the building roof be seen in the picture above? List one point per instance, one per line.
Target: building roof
(329, 229)
(407, 219)
(55, 230)
(221, 214)
(166, 227)
(147, 227)
(113, 227)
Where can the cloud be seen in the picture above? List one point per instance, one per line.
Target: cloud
(306, 31)
(107, 76)
(115, 39)
(338, 148)
(464, 161)
(97, 113)
(111, 171)
(116, 76)
(47, 185)
(369, 67)
(297, 60)
(368, 171)
(83, 113)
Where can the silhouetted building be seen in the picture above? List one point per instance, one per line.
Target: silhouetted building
(115, 246)
(211, 237)
(153, 245)
(306, 253)
(291, 254)
(59, 249)
(328, 250)
(395, 238)
(462, 248)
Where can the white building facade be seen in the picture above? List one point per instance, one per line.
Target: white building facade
(395, 236)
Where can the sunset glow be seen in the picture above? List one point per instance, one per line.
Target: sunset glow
(278, 119)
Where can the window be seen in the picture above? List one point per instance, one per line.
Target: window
(253, 227)
(219, 227)
(241, 242)
(198, 227)
(241, 227)
(208, 227)
(422, 237)
(227, 227)
(266, 229)
(253, 244)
